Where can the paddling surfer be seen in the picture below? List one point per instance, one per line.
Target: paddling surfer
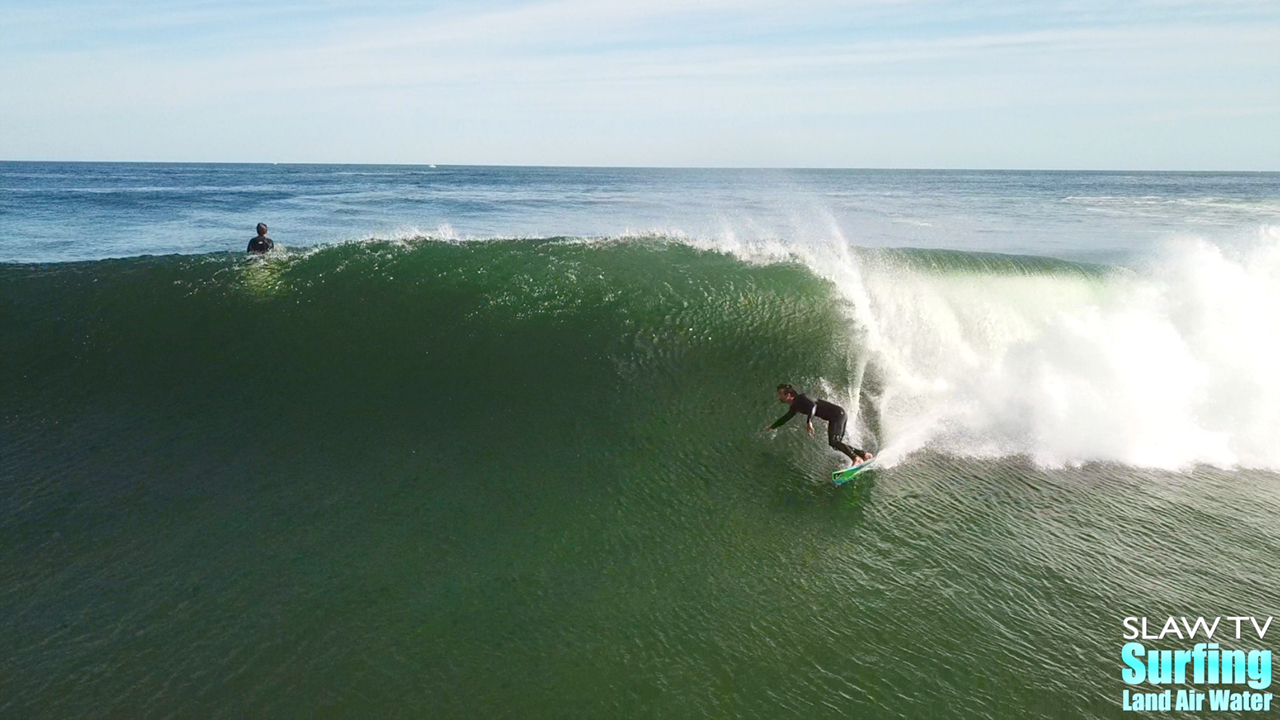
(832, 413)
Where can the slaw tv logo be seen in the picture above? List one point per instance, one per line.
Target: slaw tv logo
(1220, 679)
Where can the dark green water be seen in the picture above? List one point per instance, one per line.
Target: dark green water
(526, 480)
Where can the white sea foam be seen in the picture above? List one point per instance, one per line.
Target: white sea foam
(1168, 365)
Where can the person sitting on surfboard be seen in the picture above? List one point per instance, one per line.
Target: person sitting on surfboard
(262, 243)
(832, 413)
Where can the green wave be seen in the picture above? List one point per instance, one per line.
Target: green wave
(554, 351)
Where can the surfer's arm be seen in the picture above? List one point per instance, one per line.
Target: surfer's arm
(782, 420)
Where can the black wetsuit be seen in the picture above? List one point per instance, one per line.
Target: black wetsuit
(836, 421)
(260, 244)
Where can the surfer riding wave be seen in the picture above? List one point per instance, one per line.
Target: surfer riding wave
(835, 416)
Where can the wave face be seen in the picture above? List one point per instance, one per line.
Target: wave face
(490, 359)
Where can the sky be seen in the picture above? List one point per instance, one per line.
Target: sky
(1076, 84)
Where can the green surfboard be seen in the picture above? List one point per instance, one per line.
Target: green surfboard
(841, 477)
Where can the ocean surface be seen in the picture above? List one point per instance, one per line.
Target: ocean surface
(481, 442)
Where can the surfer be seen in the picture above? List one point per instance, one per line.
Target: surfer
(832, 413)
(262, 243)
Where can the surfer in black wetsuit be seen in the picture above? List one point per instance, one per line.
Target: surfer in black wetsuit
(832, 413)
(262, 243)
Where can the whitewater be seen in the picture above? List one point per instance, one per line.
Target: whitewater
(1165, 364)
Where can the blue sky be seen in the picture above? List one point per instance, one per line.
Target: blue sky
(809, 83)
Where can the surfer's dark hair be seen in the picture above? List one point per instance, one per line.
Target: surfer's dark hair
(788, 388)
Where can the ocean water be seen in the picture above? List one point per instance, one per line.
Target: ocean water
(485, 442)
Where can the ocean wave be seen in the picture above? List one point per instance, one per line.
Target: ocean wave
(1165, 365)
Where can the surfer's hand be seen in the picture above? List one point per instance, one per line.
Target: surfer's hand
(810, 431)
